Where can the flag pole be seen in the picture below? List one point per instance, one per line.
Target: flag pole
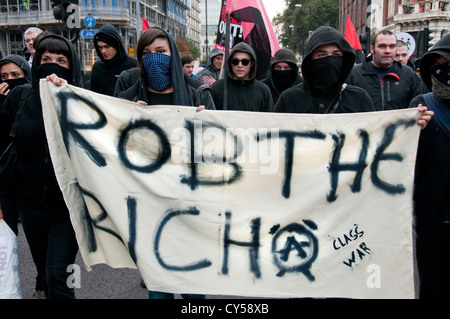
(227, 53)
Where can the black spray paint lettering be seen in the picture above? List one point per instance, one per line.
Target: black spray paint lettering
(164, 146)
(382, 156)
(306, 249)
(361, 251)
(193, 181)
(253, 245)
(289, 154)
(72, 129)
(335, 166)
(300, 249)
(342, 241)
(159, 230)
(90, 223)
(348, 238)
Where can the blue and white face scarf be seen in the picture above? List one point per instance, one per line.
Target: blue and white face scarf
(157, 67)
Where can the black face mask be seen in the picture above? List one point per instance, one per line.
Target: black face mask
(442, 74)
(324, 75)
(283, 79)
(47, 69)
(12, 83)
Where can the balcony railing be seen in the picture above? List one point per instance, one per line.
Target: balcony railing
(416, 7)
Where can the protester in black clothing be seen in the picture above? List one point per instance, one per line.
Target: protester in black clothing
(328, 60)
(432, 178)
(43, 212)
(14, 71)
(162, 82)
(390, 84)
(283, 73)
(113, 60)
(160, 75)
(245, 93)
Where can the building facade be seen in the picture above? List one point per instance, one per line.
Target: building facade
(194, 23)
(18, 15)
(210, 15)
(410, 16)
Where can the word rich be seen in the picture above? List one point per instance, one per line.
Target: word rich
(193, 179)
(294, 248)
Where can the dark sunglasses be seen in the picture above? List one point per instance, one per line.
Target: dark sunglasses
(245, 62)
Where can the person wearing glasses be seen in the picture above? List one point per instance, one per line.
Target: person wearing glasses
(244, 91)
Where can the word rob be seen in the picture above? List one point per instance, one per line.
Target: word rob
(163, 150)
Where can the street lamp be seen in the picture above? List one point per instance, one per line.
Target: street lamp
(299, 5)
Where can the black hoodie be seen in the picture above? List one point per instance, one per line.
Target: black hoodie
(431, 192)
(243, 95)
(293, 78)
(341, 98)
(21, 63)
(105, 72)
(35, 181)
(187, 91)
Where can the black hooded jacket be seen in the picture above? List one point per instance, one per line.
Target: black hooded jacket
(21, 63)
(287, 56)
(187, 91)
(431, 192)
(105, 72)
(243, 95)
(35, 182)
(342, 99)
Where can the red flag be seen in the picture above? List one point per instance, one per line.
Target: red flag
(145, 25)
(251, 24)
(351, 36)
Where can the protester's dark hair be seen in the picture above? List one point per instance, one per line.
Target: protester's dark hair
(56, 45)
(384, 32)
(187, 58)
(147, 37)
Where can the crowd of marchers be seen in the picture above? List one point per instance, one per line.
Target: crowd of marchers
(327, 81)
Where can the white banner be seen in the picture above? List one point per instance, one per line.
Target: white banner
(238, 203)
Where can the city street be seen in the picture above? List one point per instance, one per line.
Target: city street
(103, 282)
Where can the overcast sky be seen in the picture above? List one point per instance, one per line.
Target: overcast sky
(273, 7)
